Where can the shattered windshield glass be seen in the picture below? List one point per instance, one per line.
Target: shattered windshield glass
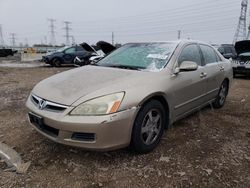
(140, 56)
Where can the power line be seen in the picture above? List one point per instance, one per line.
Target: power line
(52, 31)
(67, 29)
(195, 7)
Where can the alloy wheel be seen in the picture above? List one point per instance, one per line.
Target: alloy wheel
(222, 94)
(151, 127)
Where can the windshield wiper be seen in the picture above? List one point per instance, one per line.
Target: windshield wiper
(126, 67)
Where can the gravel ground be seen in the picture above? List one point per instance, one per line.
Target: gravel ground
(210, 148)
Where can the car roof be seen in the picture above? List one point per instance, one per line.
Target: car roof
(183, 41)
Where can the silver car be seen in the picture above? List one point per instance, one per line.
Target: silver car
(130, 97)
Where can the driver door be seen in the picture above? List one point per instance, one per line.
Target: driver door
(190, 86)
(69, 55)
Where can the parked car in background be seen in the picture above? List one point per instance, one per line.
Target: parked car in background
(241, 65)
(4, 52)
(130, 96)
(102, 49)
(228, 51)
(67, 55)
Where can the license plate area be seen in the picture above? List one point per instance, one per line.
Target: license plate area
(36, 120)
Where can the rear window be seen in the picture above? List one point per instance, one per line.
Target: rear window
(209, 54)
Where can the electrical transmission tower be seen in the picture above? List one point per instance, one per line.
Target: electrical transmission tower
(52, 32)
(1, 37)
(241, 28)
(13, 39)
(73, 40)
(248, 33)
(67, 35)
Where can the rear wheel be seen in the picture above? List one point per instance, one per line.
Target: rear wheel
(222, 95)
(148, 127)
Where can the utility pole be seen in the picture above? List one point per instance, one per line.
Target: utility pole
(113, 38)
(1, 36)
(26, 42)
(179, 34)
(13, 39)
(52, 31)
(45, 40)
(67, 35)
(240, 33)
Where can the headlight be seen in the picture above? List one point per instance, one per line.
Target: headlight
(99, 106)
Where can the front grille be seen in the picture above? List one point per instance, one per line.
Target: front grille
(88, 137)
(49, 105)
(241, 62)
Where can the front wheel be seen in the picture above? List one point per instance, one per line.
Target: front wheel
(222, 95)
(148, 127)
(56, 62)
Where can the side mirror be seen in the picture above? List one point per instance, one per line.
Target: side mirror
(188, 66)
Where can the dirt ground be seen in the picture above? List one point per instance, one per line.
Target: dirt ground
(211, 148)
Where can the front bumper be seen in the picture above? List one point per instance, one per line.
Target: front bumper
(110, 131)
(45, 60)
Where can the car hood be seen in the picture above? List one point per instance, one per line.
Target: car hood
(87, 47)
(67, 87)
(105, 47)
(242, 46)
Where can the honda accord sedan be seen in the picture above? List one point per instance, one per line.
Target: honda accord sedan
(129, 97)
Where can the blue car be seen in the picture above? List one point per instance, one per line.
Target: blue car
(66, 55)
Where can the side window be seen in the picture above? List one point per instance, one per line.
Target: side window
(70, 50)
(221, 50)
(228, 50)
(190, 53)
(209, 54)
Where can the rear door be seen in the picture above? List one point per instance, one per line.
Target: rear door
(214, 68)
(189, 87)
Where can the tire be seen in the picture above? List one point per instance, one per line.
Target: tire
(222, 95)
(148, 127)
(56, 62)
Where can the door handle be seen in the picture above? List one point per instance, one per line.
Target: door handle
(203, 75)
(222, 68)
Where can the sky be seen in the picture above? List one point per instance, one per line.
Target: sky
(213, 21)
